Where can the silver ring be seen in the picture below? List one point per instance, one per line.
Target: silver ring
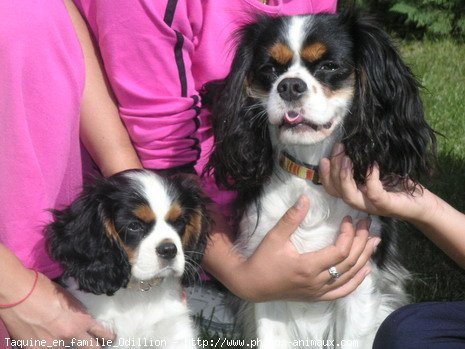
(333, 272)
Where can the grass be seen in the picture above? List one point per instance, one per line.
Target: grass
(439, 68)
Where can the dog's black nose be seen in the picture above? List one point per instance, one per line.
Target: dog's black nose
(167, 250)
(291, 89)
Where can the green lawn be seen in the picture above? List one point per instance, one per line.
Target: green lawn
(440, 69)
(440, 66)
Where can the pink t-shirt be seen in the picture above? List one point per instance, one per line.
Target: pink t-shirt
(41, 83)
(159, 54)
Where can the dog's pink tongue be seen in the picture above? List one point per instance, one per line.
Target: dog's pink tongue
(293, 118)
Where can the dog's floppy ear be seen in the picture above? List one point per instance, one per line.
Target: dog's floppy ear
(387, 123)
(242, 156)
(196, 222)
(83, 240)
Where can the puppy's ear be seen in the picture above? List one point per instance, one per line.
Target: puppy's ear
(82, 238)
(387, 123)
(196, 223)
(242, 156)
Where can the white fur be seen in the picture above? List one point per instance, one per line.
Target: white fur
(314, 106)
(157, 316)
(354, 318)
(351, 321)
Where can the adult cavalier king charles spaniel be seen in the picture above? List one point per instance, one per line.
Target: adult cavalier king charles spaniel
(297, 86)
(125, 245)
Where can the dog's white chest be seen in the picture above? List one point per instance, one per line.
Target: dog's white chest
(354, 317)
(154, 318)
(319, 228)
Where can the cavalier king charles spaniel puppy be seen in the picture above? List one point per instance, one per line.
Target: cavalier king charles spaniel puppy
(125, 244)
(297, 86)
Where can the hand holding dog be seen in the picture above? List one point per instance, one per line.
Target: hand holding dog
(49, 313)
(336, 175)
(277, 271)
(439, 221)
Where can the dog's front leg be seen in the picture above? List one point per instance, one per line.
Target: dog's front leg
(272, 329)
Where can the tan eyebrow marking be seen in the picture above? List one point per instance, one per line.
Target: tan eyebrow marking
(174, 212)
(113, 234)
(193, 229)
(281, 53)
(313, 52)
(144, 213)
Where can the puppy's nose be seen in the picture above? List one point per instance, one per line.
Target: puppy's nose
(167, 250)
(291, 89)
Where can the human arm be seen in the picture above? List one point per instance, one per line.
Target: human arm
(277, 271)
(159, 107)
(101, 130)
(155, 94)
(439, 221)
(49, 313)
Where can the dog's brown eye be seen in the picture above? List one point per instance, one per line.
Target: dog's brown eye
(267, 69)
(179, 223)
(135, 227)
(331, 66)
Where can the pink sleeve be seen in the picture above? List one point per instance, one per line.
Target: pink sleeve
(146, 48)
(329, 6)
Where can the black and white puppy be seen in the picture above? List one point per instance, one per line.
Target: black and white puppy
(297, 86)
(125, 245)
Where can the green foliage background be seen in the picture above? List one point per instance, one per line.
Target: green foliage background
(430, 18)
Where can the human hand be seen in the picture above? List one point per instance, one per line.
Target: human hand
(51, 313)
(336, 175)
(277, 271)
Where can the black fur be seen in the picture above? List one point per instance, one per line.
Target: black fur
(78, 238)
(385, 124)
(194, 202)
(243, 150)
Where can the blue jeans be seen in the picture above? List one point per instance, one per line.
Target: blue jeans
(435, 325)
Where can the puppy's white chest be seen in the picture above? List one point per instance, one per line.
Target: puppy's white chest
(143, 319)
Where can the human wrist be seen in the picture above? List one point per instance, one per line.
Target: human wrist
(234, 276)
(22, 299)
(238, 283)
(247, 284)
(17, 287)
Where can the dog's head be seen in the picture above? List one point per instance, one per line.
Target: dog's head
(134, 226)
(308, 78)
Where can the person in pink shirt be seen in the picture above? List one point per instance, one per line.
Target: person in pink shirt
(158, 55)
(52, 90)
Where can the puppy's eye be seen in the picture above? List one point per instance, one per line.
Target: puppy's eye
(329, 66)
(267, 69)
(135, 227)
(179, 223)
